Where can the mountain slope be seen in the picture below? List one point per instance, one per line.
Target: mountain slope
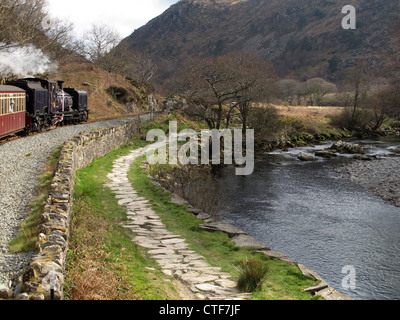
(300, 36)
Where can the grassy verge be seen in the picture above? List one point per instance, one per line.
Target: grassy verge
(103, 263)
(283, 281)
(27, 237)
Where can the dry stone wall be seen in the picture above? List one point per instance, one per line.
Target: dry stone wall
(46, 270)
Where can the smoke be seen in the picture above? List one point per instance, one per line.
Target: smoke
(23, 61)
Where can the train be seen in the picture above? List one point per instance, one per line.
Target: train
(34, 104)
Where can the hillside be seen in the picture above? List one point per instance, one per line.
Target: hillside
(110, 95)
(299, 36)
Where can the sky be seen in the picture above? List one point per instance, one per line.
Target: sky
(123, 15)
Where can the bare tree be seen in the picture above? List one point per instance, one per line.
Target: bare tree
(358, 81)
(131, 63)
(20, 21)
(99, 41)
(389, 98)
(288, 89)
(58, 39)
(27, 22)
(381, 104)
(219, 88)
(141, 66)
(266, 124)
(316, 89)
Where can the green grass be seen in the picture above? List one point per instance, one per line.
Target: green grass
(27, 237)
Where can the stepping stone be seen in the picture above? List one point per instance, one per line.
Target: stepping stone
(124, 196)
(167, 272)
(124, 201)
(146, 212)
(226, 283)
(153, 217)
(172, 241)
(207, 287)
(198, 263)
(227, 228)
(208, 270)
(166, 262)
(149, 245)
(199, 278)
(189, 259)
(168, 257)
(186, 252)
(175, 266)
(161, 251)
(155, 223)
(245, 241)
(139, 202)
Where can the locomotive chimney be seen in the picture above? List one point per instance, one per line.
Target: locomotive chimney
(60, 84)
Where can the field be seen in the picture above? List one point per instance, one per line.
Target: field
(312, 117)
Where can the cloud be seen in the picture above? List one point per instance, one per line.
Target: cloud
(124, 15)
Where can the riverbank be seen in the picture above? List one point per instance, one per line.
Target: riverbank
(381, 177)
(140, 274)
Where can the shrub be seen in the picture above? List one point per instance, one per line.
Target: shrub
(318, 12)
(252, 274)
(265, 122)
(351, 120)
(119, 94)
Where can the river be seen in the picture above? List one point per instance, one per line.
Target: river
(308, 212)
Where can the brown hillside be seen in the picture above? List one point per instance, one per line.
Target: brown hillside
(300, 36)
(103, 101)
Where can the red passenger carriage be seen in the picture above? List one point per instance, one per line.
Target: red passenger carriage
(12, 110)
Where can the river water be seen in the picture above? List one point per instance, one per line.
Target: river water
(308, 212)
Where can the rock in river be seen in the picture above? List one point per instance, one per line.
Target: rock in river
(306, 157)
(344, 147)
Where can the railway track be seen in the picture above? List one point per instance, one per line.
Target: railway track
(19, 136)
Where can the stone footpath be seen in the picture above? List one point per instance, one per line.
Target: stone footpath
(171, 252)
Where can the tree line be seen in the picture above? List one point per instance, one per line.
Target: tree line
(228, 90)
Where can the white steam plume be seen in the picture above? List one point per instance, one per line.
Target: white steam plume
(23, 61)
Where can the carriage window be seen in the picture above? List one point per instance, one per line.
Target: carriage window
(19, 104)
(12, 105)
(4, 105)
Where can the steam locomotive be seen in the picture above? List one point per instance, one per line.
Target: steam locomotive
(33, 104)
